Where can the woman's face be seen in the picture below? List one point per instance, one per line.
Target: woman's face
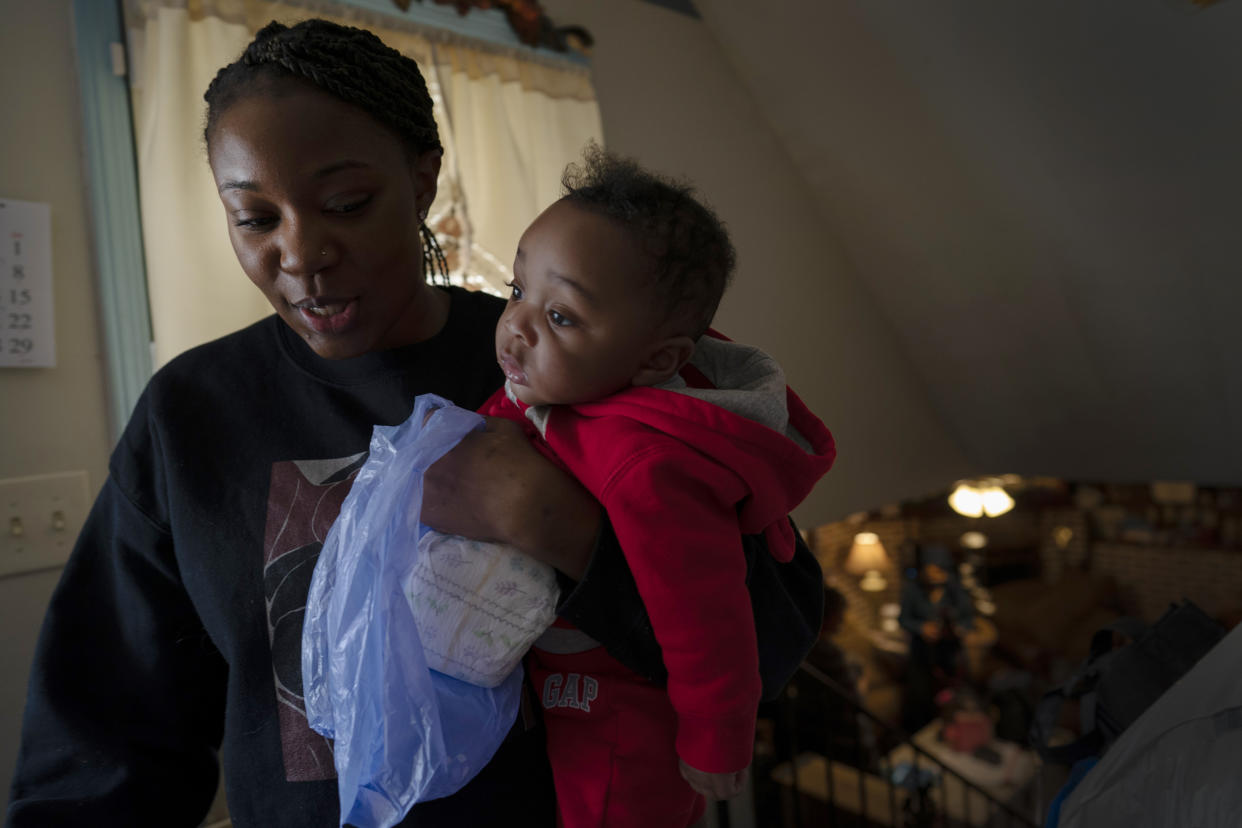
(323, 208)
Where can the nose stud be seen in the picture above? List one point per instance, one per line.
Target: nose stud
(323, 252)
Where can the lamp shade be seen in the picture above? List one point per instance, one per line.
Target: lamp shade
(866, 554)
(973, 540)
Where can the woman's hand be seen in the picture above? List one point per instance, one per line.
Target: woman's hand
(495, 486)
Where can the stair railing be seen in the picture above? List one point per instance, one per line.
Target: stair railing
(919, 808)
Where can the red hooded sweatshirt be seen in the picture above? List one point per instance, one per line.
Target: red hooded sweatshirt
(683, 471)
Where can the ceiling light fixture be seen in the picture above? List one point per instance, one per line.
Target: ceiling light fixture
(979, 498)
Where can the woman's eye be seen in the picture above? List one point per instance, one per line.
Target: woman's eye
(559, 319)
(254, 222)
(349, 206)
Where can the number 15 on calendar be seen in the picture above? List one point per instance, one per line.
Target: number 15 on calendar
(27, 338)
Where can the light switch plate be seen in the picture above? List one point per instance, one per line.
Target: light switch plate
(40, 518)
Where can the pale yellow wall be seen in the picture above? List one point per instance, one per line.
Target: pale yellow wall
(51, 419)
(670, 98)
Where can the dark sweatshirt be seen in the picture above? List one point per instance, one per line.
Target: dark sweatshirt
(174, 635)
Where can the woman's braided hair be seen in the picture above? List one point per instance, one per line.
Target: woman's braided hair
(350, 64)
(690, 251)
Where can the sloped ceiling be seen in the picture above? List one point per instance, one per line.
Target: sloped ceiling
(1045, 201)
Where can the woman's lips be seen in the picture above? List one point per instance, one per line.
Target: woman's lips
(328, 315)
(512, 371)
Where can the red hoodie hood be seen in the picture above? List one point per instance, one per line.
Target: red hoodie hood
(702, 409)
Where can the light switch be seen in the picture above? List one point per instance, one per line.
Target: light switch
(40, 518)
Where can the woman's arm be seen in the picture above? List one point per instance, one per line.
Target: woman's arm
(126, 698)
(787, 600)
(495, 486)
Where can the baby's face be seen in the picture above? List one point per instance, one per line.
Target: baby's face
(580, 321)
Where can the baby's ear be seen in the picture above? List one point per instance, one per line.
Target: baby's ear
(664, 359)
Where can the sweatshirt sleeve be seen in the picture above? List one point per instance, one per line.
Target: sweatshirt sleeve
(125, 704)
(787, 600)
(674, 515)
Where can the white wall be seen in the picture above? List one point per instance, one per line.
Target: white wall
(51, 419)
(1042, 199)
(670, 98)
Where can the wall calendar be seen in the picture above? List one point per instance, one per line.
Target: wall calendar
(27, 339)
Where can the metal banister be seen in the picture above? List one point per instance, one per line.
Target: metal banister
(995, 807)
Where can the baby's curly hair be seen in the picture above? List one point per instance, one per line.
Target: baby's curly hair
(690, 250)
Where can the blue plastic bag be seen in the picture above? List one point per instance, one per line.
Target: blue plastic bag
(403, 733)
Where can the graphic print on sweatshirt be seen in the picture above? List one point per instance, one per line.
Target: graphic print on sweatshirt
(303, 500)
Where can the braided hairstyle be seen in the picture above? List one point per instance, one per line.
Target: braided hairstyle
(350, 64)
(687, 244)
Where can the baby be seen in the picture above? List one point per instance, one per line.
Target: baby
(689, 441)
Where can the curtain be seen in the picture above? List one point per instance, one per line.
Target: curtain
(509, 121)
(516, 124)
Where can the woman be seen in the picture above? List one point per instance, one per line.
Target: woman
(176, 628)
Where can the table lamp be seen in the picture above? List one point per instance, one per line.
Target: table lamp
(867, 558)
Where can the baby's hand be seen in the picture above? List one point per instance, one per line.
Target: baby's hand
(715, 785)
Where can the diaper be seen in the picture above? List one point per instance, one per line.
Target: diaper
(478, 605)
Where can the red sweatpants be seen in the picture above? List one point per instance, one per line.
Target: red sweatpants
(611, 744)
